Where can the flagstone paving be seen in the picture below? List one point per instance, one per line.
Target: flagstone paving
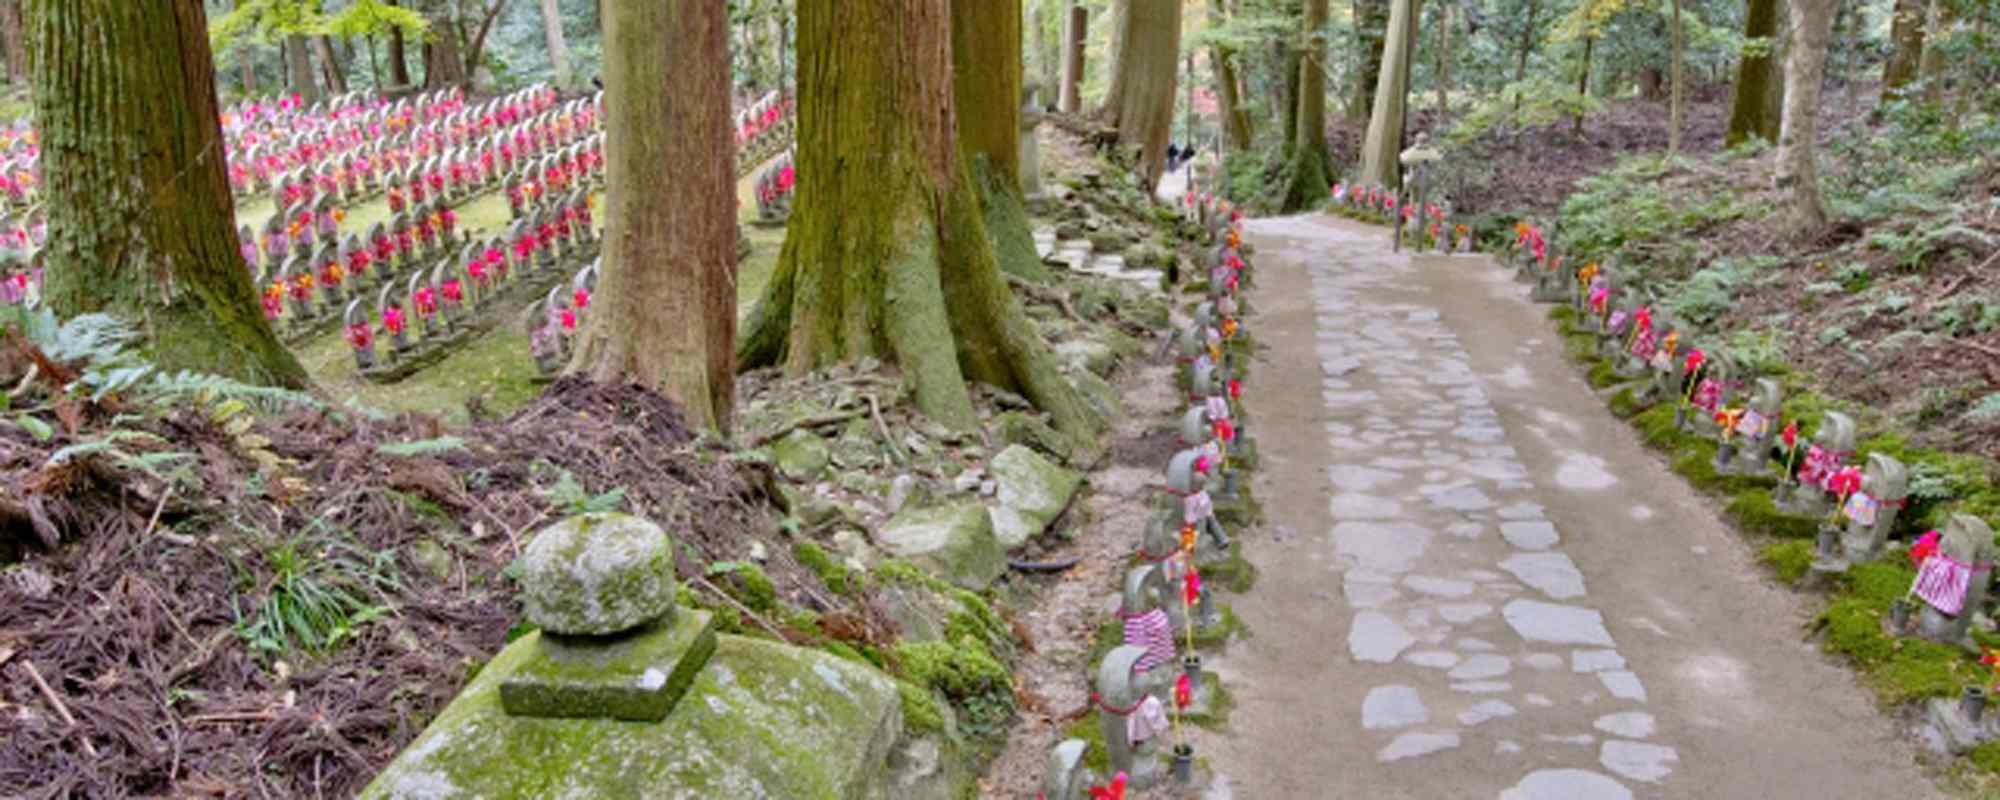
(1481, 585)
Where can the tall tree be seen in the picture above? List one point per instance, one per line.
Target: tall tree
(1679, 103)
(141, 223)
(329, 65)
(552, 33)
(1906, 46)
(665, 312)
(1384, 142)
(1076, 30)
(1931, 66)
(1805, 66)
(1229, 99)
(299, 68)
(1371, 21)
(986, 86)
(886, 254)
(14, 40)
(1140, 102)
(1751, 111)
(1310, 161)
(399, 57)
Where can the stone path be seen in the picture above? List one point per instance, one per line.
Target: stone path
(1479, 584)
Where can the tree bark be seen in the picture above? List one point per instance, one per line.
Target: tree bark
(299, 69)
(1931, 65)
(1383, 145)
(1444, 66)
(1229, 101)
(1310, 161)
(1751, 111)
(1527, 49)
(1371, 21)
(552, 32)
(1583, 78)
(1076, 30)
(15, 42)
(1805, 65)
(1679, 105)
(1906, 47)
(1140, 103)
(886, 254)
(399, 57)
(141, 222)
(664, 315)
(329, 64)
(986, 88)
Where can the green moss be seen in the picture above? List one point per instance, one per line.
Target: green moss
(1624, 405)
(1604, 375)
(920, 709)
(1109, 636)
(1753, 512)
(1215, 637)
(831, 572)
(1986, 756)
(1234, 573)
(1563, 314)
(1854, 629)
(1789, 559)
(976, 619)
(1087, 728)
(897, 572)
(1656, 426)
(1580, 347)
(1879, 582)
(753, 587)
(966, 674)
(1220, 703)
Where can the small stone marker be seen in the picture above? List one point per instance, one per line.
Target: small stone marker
(1068, 778)
(1119, 697)
(612, 644)
(1872, 512)
(1952, 583)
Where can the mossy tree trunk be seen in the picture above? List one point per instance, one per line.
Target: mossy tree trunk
(1751, 111)
(1371, 22)
(1931, 66)
(1907, 21)
(1076, 27)
(887, 254)
(329, 65)
(986, 87)
(552, 34)
(1309, 178)
(1229, 98)
(1140, 103)
(140, 219)
(1383, 145)
(1805, 66)
(664, 315)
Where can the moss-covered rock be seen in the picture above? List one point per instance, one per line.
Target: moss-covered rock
(956, 541)
(597, 574)
(801, 456)
(1032, 493)
(1029, 430)
(763, 720)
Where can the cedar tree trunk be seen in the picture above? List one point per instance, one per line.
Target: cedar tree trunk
(552, 32)
(399, 57)
(1310, 161)
(1679, 105)
(14, 40)
(141, 224)
(1383, 145)
(329, 65)
(1931, 66)
(886, 254)
(986, 87)
(1371, 22)
(1751, 111)
(299, 69)
(1076, 31)
(664, 315)
(1229, 99)
(1805, 65)
(1140, 103)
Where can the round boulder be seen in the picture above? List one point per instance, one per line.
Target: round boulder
(597, 575)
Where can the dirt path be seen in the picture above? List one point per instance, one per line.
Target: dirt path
(1480, 584)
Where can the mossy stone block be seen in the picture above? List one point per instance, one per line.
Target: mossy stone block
(597, 574)
(637, 677)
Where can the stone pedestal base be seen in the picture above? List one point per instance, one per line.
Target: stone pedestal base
(636, 677)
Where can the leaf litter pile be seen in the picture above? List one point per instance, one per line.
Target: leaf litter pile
(210, 602)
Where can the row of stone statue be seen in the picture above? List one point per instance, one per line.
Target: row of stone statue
(1718, 398)
(1147, 690)
(1433, 231)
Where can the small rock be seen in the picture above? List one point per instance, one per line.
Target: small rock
(801, 456)
(968, 480)
(758, 552)
(899, 491)
(956, 541)
(987, 488)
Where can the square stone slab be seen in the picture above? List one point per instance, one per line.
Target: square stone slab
(637, 677)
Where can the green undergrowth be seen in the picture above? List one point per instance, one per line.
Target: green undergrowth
(1899, 670)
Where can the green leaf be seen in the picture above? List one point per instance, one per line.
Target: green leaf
(724, 568)
(35, 427)
(423, 447)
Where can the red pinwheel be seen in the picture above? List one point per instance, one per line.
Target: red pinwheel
(1695, 358)
(1926, 546)
(392, 319)
(568, 320)
(1201, 464)
(360, 336)
(1183, 692)
(1791, 435)
(453, 291)
(1191, 586)
(1235, 390)
(1225, 431)
(582, 298)
(1114, 791)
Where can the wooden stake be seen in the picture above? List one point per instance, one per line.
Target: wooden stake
(62, 711)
